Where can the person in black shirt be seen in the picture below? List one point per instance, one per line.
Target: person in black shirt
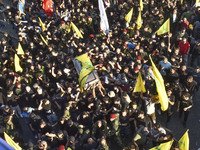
(34, 123)
(124, 124)
(85, 120)
(184, 106)
(7, 118)
(171, 100)
(183, 73)
(38, 96)
(172, 76)
(71, 128)
(27, 100)
(143, 120)
(13, 101)
(60, 139)
(190, 85)
(177, 90)
(45, 106)
(99, 129)
(45, 130)
(133, 111)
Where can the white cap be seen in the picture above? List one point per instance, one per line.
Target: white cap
(111, 94)
(66, 70)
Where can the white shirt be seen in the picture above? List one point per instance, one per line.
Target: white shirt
(174, 17)
(150, 107)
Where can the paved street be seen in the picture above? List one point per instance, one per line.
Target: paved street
(193, 124)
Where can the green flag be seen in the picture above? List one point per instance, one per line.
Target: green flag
(139, 21)
(164, 28)
(184, 142)
(86, 69)
(129, 16)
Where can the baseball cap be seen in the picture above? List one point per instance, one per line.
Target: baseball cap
(113, 116)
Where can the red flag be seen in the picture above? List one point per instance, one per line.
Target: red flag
(48, 7)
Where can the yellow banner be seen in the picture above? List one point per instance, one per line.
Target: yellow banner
(160, 87)
(141, 5)
(20, 50)
(184, 142)
(75, 29)
(18, 68)
(86, 69)
(139, 86)
(139, 21)
(11, 142)
(44, 40)
(163, 146)
(164, 28)
(181, 2)
(128, 17)
(197, 3)
(42, 24)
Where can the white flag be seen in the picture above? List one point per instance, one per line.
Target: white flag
(104, 20)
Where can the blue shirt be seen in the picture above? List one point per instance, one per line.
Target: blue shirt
(25, 114)
(21, 7)
(166, 66)
(130, 45)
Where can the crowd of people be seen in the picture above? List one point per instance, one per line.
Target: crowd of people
(46, 94)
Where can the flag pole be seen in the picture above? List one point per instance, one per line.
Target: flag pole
(169, 37)
(168, 40)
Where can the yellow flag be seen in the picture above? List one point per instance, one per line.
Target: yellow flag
(11, 142)
(43, 40)
(104, 68)
(141, 5)
(197, 3)
(139, 21)
(42, 24)
(75, 29)
(163, 146)
(184, 142)
(160, 87)
(129, 16)
(181, 2)
(86, 69)
(18, 68)
(164, 28)
(20, 50)
(139, 86)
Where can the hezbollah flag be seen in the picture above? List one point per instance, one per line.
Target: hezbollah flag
(139, 87)
(11, 142)
(18, 68)
(20, 50)
(164, 28)
(139, 21)
(75, 29)
(197, 3)
(181, 2)
(163, 146)
(141, 5)
(86, 69)
(184, 142)
(42, 24)
(129, 16)
(4, 145)
(160, 87)
(48, 7)
(44, 40)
